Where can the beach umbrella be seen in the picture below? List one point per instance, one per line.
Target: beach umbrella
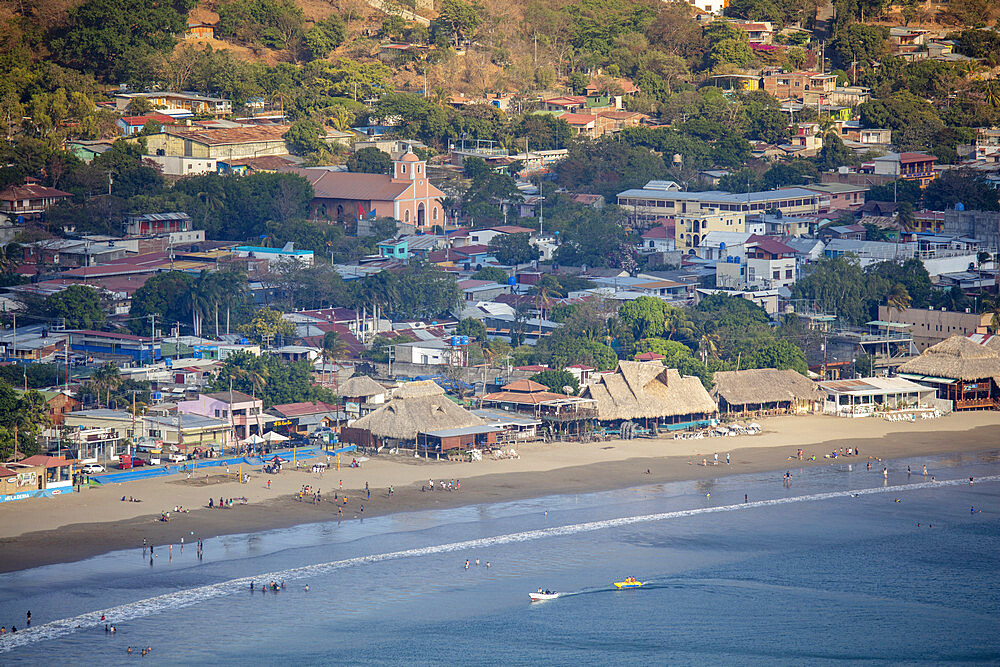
(254, 440)
(271, 436)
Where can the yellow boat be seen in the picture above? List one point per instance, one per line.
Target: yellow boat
(630, 582)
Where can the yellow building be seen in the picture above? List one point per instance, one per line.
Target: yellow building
(689, 230)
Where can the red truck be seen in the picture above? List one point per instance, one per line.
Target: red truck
(127, 461)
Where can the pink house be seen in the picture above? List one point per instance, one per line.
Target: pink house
(243, 411)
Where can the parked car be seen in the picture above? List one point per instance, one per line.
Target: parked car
(178, 457)
(93, 468)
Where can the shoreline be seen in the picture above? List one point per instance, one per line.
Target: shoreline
(85, 539)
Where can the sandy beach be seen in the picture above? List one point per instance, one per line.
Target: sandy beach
(69, 528)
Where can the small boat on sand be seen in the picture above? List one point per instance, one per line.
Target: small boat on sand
(543, 595)
(629, 582)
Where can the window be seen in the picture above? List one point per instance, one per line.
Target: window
(216, 413)
(776, 275)
(788, 274)
(403, 168)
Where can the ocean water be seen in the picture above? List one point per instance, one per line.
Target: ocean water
(830, 569)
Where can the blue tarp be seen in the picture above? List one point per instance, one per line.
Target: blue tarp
(172, 469)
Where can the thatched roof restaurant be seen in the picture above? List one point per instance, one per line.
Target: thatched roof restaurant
(416, 410)
(961, 371)
(649, 391)
(361, 395)
(765, 390)
(564, 414)
(361, 387)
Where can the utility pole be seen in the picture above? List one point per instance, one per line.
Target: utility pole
(152, 331)
(15, 335)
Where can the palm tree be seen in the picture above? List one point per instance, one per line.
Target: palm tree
(106, 377)
(197, 298)
(708, 344)
(212, 201)
(334, 347)
(898, 299)
(677, 323)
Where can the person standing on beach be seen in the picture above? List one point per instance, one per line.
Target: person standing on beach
(925, 470)
(727, 458)
(885, 473)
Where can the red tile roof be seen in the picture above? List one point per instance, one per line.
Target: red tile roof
(660, 232)
(906, 158)
(362, 187)
(139, 121)
(525, 386)
(523, 398)
(31, 191)
(770, 245)
(229, 135)
(48, 461)
(578, 118)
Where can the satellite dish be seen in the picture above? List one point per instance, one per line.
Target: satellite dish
(568, 390)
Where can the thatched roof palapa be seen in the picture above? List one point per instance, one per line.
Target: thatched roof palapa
(758, 386)
(362, 385)
(638, 390)
(956, 358)
(416, 407)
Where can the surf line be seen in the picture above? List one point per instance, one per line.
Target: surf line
(186, 598)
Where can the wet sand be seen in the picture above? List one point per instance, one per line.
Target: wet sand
(70, 528)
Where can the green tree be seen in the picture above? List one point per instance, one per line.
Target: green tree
(513, 249)
(834, 154)
(334, 346)
(493, 273)
(271, 23)
(270, 378)
(79, 306)
(370, 161)
(557, 380)
(859, 42)
(727, 44)
(106, 378)
(304, 137)
(840, 286)
(267, 324)
(643, 317)
(105, 37)
(161, 296)
(424, 292)
(596, 238)
(21, 417)
(961, 186)
(325, 36)
(472, 328)
(607, 166)
(461, 17)
(543, 132)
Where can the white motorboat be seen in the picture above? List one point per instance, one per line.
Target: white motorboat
(540, 595)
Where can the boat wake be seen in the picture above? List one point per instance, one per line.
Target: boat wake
(186, 598)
